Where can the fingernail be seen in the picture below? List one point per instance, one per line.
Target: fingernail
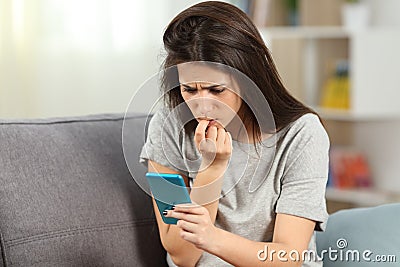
(173, 207)
(165, 212)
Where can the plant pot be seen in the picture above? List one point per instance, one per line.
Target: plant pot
(355, 16)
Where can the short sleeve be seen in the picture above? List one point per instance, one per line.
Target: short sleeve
(304, 180)
(163, 142)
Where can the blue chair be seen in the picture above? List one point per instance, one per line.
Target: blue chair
(361, 237)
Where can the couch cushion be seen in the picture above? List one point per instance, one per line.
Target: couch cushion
(363, 229)
(67, 197)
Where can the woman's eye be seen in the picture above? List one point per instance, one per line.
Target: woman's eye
(189, 90)
(217, 91)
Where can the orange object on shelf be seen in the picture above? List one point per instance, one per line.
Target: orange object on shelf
(348, 168)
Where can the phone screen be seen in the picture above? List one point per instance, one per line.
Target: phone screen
(167, 190)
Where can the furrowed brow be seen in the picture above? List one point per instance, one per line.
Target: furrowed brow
(204, 87)
(212, 86)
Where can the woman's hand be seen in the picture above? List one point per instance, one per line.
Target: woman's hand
(195, 225)
(214, 144)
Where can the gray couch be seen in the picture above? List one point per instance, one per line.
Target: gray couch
(68, 199)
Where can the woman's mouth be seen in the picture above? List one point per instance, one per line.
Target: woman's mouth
(212, 122)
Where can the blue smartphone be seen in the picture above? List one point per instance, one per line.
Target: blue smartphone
(168, 190)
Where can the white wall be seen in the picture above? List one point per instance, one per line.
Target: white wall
(64, 58)
(379, 141)
(385, 13)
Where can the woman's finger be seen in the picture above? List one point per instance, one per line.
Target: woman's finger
(212, 133)
(200, 132)
(192, 218)
(187, 226)
(221, 137)
(190, 237)
(191, 208)
(228, 139)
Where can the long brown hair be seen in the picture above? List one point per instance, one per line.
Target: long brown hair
(220, 32)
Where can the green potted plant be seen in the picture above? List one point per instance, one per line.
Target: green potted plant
(293, 12)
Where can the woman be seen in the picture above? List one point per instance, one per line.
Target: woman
(229, 142)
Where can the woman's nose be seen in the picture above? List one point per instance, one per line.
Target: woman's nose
(205, 106)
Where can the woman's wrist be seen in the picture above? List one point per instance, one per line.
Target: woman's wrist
(216, 166)
(216, 246)
(207, 186)
(210, 174)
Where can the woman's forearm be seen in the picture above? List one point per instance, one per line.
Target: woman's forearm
(240, 251)
(205, 191)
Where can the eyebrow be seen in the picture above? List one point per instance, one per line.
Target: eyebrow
(204, 87)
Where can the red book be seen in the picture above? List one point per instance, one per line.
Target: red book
(348, 168)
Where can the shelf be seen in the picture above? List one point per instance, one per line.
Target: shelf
(361, 197)
(311, 32)
(321, 32)
(350, 116)
(306, 56)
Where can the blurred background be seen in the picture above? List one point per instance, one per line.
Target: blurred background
(341, 57)
(62, 58)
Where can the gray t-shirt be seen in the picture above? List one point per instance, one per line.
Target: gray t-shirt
(286, 173)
